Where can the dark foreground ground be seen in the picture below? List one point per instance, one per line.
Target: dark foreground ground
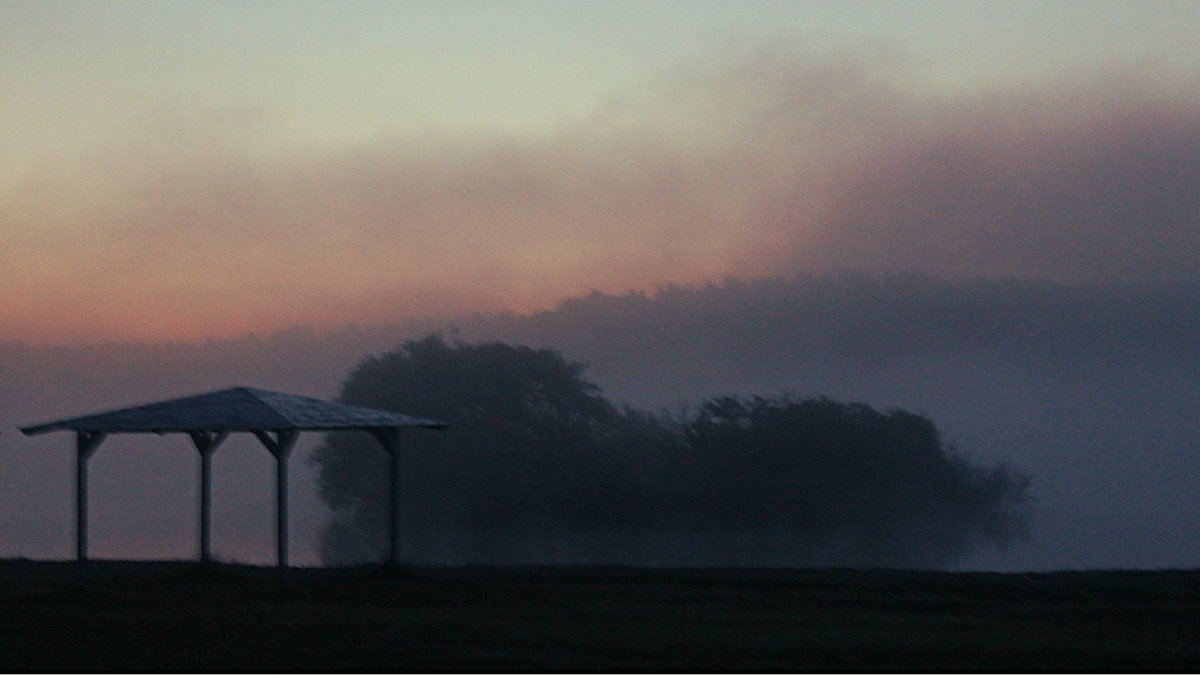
(177, 616)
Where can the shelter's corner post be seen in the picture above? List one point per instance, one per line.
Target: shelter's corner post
(206, 443)
(389, 438)
(280, 444)
(86, 443)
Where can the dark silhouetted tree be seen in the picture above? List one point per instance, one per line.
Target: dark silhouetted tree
(823, 482)
(538, 467)
(532, 457)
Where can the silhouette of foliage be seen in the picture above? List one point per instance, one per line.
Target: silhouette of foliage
(854, 485)
(538, 467)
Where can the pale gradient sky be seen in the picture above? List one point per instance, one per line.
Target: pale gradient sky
(187, 170)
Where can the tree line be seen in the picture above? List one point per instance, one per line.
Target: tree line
(538, 467)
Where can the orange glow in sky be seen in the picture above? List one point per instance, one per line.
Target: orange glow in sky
(179, 172)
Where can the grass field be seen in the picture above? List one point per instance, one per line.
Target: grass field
(178, 616)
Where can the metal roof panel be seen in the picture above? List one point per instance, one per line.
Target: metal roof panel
(236, 409)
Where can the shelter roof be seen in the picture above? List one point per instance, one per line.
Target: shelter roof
(236, 409)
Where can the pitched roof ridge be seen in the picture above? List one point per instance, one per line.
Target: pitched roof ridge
(237, 408)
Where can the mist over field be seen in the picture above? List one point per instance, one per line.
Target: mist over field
(1091, 390)
(982, 213)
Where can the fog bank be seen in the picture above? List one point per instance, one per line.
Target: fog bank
(1091, 390)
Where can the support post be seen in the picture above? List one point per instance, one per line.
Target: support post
(206, 443)
(280, 446)
(389, 438)
(85, 445)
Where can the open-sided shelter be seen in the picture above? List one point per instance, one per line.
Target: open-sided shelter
(276, 419)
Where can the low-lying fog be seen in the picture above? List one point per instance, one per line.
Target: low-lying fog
(1092, 391)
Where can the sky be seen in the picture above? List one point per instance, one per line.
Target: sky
(179, 171)
(202, 195)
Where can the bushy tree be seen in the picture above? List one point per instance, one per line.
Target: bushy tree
(531, 450)
(824, 482)
(538, 467)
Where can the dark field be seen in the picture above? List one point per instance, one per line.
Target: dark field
(177, 616)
